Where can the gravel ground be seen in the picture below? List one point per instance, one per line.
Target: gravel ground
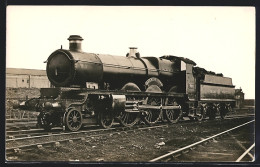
(138, 146)
(225, 149)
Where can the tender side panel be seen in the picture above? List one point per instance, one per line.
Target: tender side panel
(216, 93)
(218, 80)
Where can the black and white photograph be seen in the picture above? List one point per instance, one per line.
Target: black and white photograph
(148, 84)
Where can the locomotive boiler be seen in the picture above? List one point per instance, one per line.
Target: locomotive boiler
(74, 68)
(90, 88)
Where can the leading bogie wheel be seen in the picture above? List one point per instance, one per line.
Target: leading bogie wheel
(73, 119)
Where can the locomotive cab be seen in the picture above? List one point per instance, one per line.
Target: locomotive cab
(184, 81)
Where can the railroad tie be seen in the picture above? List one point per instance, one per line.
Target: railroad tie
(185, 151)
(17, 150)
(57, 144)
(83, 139)
(39, 146)
(11, 137)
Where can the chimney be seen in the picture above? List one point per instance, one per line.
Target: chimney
(133, 52)
(75, 43)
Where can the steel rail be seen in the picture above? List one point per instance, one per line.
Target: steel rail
(80, 132)
(32, 136)
(59, 134)
(245, 153)
(29, 131)
(197, 143)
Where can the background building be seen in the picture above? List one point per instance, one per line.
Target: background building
(26, 78)
(239, 97)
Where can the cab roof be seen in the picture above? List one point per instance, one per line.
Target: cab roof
(186, 60)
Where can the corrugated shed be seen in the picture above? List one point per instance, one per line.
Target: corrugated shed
(26, 78)
(21, 71)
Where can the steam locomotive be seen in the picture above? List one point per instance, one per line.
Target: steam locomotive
(90, 88)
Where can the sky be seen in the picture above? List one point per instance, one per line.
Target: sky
(219, 39)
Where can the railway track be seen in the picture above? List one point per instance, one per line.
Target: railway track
(247, 153)
(25, 124)
(39, 133)
(15, 135)
(29, 133)
(21, 125)
(12, 135)
(197, 149)
(12, 120)
(70, 137)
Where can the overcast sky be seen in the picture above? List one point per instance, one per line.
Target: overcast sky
(219, 39)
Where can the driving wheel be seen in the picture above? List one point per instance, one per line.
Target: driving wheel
(172, 115)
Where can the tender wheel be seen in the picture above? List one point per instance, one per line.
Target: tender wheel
(106, 120)
(223, 111)
(201, 114)
(43, 121)
(212, 115)
(212, 112)
(125, 118)
(223, 114)
(74, 120)
(152, 116)
(172, 116)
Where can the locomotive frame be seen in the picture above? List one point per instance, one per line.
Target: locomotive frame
(98, 89)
